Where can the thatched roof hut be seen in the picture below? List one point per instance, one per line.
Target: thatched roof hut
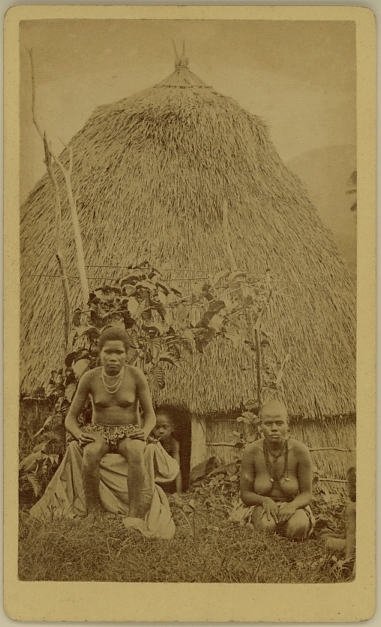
(151, 173)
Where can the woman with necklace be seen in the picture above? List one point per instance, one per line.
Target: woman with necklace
(276, 477)
(116, 390)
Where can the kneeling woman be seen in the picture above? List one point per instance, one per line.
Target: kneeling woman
(115, 390)
(276, 478)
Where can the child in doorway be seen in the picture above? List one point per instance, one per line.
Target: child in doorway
(163, 432)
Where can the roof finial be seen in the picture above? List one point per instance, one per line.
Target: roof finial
(180, 61)
(177, 56)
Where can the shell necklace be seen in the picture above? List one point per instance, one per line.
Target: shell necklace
(114, 387)
(269, 466)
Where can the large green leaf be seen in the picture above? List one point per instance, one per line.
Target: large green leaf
(158, 376)
(70, 391)
(169, 358)
(133, 307)
(220, 275)
(235, 338)
(237, 274)
(79, 367)
(158, 327)
(217, 322)
(30, 462)
(35, 483)
(156, 345)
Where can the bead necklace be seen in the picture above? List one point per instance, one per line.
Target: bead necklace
(270, 469)
(114, 387)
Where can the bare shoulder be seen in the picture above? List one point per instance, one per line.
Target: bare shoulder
(175, 445)
(252, 449)
(135, 373)
(88, 377)
(300, 449)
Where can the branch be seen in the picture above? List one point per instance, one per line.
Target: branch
(74, 216)
(36, 124)
(333, 448)
(59, 253)
(333, 480)
(258, 356)
(221, 444)
(57, 207)
(324, 448)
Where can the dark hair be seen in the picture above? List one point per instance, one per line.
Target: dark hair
(113, 334)
(168, 411)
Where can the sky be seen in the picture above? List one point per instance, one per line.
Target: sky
(298, 76)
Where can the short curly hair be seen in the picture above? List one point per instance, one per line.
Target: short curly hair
(169, 411)
(112, 334)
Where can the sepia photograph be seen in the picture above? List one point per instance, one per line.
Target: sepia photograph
(188, 243)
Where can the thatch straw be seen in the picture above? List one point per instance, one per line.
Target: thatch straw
(151, 173)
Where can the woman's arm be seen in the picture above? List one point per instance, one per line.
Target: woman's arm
(176, 456)
(145, 400)
(304, 476)
(77, 405)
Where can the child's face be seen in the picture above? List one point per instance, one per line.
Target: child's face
(164, 427)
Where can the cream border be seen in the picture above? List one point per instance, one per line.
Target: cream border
(50, 601)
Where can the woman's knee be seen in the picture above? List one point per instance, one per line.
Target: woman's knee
(93, 452)
(133, 450)
(298, 526)
(262, 522)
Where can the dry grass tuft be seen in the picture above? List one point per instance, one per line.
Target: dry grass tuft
(206, 549)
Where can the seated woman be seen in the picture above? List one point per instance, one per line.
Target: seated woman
(276, 478)
(115, 390)
(163, 432)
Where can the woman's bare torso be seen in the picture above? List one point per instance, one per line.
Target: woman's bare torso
(284, 489)
(117, 409)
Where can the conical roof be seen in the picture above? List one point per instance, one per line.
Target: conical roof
(151, 173)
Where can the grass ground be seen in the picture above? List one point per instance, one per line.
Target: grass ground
(207, 548)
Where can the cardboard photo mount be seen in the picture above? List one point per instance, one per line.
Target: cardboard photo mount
(99, 601)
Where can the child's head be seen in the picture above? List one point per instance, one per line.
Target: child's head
(164, 425)
(351, 478)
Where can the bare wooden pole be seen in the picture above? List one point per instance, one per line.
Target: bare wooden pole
(57, 210)
(59, 252)
(322, 448)
(258, 357)
(74, 217)
(333, 448)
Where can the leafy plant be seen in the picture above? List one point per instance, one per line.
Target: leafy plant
(164, 327)
(37, 469)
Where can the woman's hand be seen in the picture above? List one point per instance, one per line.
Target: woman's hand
(85, 438)
(286, 510)
(139, 434)
(270, 509)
